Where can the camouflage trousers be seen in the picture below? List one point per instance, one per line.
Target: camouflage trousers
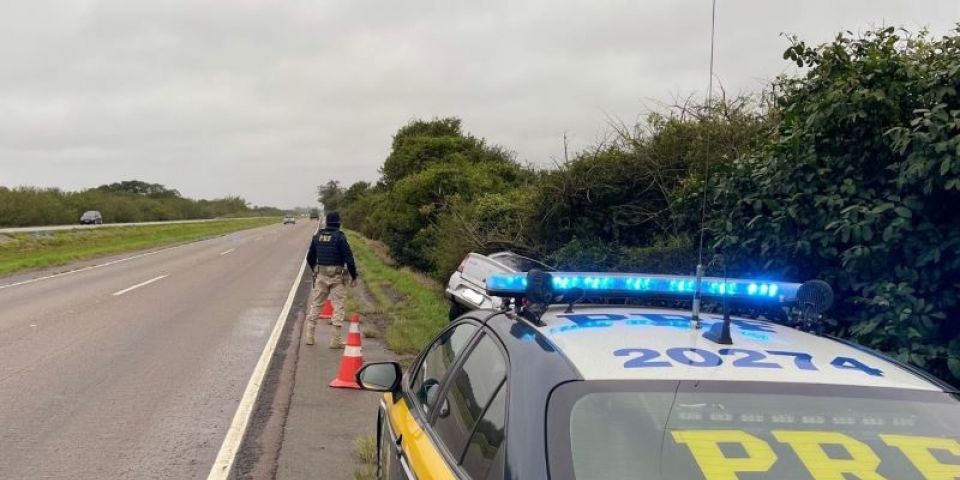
(330, 283)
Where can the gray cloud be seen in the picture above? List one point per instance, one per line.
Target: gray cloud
(268, 99)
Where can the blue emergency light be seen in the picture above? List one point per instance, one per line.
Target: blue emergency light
(513, 285)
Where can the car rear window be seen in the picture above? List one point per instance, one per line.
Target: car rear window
(707, 430)
(519, 263)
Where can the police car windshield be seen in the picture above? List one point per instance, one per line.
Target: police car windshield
(696, 430)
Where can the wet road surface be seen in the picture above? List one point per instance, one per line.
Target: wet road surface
(135, 369)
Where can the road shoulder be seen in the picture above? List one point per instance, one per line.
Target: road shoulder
(301, 427)
(259, 450)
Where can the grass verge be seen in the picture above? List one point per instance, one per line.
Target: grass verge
(26, 251)
(365, 449)
(415, 311)
(415, 308)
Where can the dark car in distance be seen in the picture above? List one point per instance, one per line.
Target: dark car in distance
(91, 217)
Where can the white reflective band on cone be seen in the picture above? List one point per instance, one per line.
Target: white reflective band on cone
(354, 328)
(350, 351)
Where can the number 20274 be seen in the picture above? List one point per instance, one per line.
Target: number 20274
(739, 358)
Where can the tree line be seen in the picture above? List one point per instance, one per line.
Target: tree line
(127, 201)
(848, 172)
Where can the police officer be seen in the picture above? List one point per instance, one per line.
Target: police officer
(329, 252)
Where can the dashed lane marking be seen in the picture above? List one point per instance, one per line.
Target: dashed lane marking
(141, 284)
(91, 267)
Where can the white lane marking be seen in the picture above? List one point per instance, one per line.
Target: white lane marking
(141, 284)
(227, 252)
(114, 262)
(241, 419)
(91, 267)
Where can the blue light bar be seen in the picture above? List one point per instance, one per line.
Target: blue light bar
(646, 285)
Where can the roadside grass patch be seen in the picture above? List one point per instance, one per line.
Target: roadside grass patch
(28, 251)
(413, 304)
(352, 304)
(381, 250)
(365, 449)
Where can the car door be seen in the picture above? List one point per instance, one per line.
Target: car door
(410, 452)
(468, 423)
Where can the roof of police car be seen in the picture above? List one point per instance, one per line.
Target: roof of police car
(641, 343)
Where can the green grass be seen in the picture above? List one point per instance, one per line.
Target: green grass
(26, 251)
(414, 320)
(352, 303)
(365, 449)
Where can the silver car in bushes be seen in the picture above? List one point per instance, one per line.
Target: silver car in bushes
(466, 287)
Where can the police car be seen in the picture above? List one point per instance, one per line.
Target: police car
(564, 384)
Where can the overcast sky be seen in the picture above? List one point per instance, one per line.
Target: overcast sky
(267, 99)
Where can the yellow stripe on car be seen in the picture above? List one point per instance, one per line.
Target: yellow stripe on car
(421, 453)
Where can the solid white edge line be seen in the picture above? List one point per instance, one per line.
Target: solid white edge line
(228, 251)
(241, 419)
(141, 284)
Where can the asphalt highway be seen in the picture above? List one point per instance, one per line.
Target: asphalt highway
(134, 369)
(52, 228)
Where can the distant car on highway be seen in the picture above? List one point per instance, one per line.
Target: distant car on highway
(555, 390)
(289, 219)
(314, 214)
(465, 289)
(91, 217)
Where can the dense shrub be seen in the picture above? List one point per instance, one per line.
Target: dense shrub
(434, 174)
(849, 173)
(675, 255)
(860, 188)
(130, 201)
(643, 187)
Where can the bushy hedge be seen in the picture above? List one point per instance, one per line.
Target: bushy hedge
(849, 172)
(432, 182)
(130, 201)
(860, 187)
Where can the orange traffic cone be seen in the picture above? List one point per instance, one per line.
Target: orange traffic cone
(352, 358)
(327, 310)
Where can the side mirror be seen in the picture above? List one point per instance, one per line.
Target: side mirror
(431, 389)
(431, 392)
(380, 376)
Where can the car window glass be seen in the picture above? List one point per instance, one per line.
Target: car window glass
(614, 430)
(471, 388)
(443, 352)
(520, 263)
(486, 440)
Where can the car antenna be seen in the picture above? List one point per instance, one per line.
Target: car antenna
(695, 310)
(573, 296)
(723, 336)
